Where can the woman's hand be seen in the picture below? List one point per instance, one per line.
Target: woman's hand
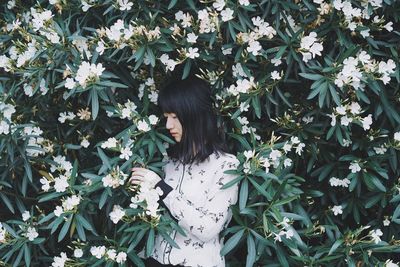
(142, 175)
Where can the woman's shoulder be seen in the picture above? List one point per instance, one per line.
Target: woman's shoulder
(224, 160)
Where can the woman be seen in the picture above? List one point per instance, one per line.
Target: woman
(194, 175)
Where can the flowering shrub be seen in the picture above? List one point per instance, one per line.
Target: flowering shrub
(307, 92)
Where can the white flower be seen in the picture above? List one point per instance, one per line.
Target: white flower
(386, 222)
(287, 163)
(85, 143)
(275, 75)
(380, 150)
(85, 6)
(276, 61)
(4, 127)
(192, 38)
(192, 52)
(254, 47)
(345, 121)
(341, 110)
(226, 51)
(244, 2)
(390, 263)
(143, 126)
(45, 184)
(366, 122)
(125, 5)
(58, 211)
(355, 108)
(289, 234)
(365, 33)
(126, 153)
(219, 4)
(153, 119)
(307, 119)
(70, 83)
(28, 90)
(98, 252)
(11, 4)
(78, 253)
(299, 149)
(31, 233)
(248, 154)
(26, 215)
(110, 143)
(59, 261)
(375, 235)
(354, 167)
(310, 47)
(111, 254)
(71, 202)
(121, 257)
(3, 233)
(245, 107)
(397, 136)
(226, 14)
(275, 154)
(338, 182)
(388, 26)
(337, 210)
(61, 183)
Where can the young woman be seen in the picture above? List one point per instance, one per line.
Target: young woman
(193, 179)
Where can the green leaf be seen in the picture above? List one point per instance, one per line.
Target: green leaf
(335, 246)
(65, 228)
(311, 76)
(150, 242)
(94, 99)
(243, 195)
(232, 242)
(104, 158)
(251, 251)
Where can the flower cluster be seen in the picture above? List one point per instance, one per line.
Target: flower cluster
(355, 70)
(285, 230)
(274, 157)
(69, 204)
(35, 141)
(60, 174)
(115, 178)
(147, 197)
(353, 16)
(310, 47)
(337, 209)
(87, 73)
(116, 214)
(3, 233)
(31, 233)
(333, 181)
(350, 113)
(108, 254)
(261, 29)
(6, 111)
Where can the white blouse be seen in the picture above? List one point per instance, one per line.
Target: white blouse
(201, 208)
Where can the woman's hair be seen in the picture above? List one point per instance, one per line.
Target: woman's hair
(191, 101)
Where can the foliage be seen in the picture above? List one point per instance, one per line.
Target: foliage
(307, 91)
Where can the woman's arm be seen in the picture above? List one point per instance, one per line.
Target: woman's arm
(204, 220)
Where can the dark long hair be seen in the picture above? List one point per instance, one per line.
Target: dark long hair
(191, 101)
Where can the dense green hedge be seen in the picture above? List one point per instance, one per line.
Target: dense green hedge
(308, 93)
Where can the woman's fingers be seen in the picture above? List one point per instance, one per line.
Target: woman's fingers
(139, 172)
(136, 179)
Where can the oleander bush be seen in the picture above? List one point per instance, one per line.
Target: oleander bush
(306, 91)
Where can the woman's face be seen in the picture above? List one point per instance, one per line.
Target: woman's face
(174, 126)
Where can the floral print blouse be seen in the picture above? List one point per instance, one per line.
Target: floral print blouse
(201, 208)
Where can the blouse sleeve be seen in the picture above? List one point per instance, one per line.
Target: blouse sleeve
(205, 220)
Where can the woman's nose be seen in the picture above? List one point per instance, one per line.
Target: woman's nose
(169, 124)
